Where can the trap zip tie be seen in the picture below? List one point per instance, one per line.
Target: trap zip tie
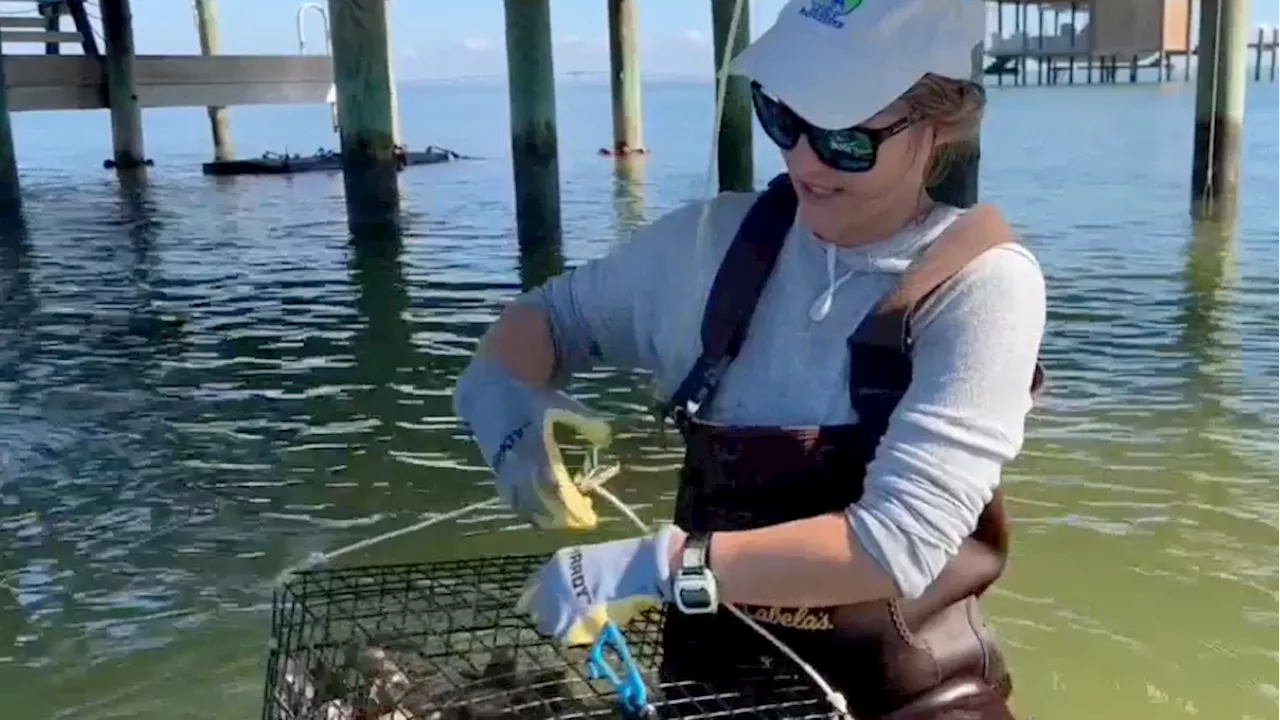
(632, 695)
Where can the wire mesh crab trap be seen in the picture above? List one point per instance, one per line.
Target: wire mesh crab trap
(442, 641)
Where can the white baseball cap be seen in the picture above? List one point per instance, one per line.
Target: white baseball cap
(837, 63)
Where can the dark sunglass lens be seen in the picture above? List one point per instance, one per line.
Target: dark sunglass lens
(853, 143)
(846, 150)
(776, 119)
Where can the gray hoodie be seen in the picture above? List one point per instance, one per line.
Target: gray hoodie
(975, 348)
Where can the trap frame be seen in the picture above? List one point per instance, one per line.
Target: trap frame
(442, 641)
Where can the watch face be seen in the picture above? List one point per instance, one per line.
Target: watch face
(695, 597)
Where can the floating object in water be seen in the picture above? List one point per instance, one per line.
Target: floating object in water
(622, 152)
(443, 641)
(275, 164)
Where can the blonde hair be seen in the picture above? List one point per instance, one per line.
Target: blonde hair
(953, 107)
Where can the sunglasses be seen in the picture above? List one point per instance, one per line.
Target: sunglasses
(848, 150)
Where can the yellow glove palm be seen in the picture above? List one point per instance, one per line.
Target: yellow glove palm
(565, 505)
(514, 425)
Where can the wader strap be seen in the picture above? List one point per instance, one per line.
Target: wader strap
(888, 328)
(889, 323)
(735, 292)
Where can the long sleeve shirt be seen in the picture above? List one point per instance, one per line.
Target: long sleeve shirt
(974, 353)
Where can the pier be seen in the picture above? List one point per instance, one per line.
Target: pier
(1056, 42)
(1065, 43)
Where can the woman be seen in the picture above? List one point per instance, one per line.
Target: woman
(863, 370)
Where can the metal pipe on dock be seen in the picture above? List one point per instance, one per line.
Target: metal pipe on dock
(1023, 27)
(999, 39)
(1190, 49)
(1040, 75)
(10, 190)
(1075, 31)
(1275, 50)
(624, 78)
(128, 152)
(1220, 91)
(1260, 48)
(736, 168)
(366, 108)
(207, 25)
(534, 142)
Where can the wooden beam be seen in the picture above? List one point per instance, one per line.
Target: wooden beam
(40, 36)
(31, 23)
(72, 82)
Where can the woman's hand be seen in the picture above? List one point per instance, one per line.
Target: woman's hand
(583, 587)
(514, 425)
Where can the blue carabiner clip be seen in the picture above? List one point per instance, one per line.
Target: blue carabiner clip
(632, 695)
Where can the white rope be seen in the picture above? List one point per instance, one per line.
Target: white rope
(1212, 151)
(319, 558)
(710, 184)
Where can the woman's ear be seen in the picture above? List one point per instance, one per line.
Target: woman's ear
(926, 141)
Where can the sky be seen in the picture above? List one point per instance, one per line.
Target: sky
(434, 39)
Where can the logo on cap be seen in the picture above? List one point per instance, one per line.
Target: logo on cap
(829, 12)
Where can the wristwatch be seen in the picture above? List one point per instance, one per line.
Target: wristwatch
(694, 587)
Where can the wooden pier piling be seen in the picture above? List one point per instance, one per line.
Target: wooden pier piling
(366, 109)
(1220, 91)
(128, 153)
(10, 191)
(207, 25)
(624, 78)
(534, 143)
(52, 14)
(735, 164)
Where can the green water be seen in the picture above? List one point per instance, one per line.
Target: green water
(156, 475)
